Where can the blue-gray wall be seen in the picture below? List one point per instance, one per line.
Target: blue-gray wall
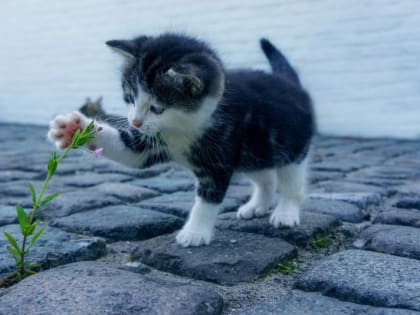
(359, 59)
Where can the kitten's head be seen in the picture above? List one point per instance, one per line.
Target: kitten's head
(171, 82)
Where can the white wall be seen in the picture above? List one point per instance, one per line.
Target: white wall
(359, 59)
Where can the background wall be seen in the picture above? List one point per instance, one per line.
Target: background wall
(359, 59)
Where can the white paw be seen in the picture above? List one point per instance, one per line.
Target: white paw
(63, 127)
(189, 237)
(252, 209)
(288, 217)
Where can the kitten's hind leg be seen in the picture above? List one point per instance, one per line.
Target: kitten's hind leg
(291, 184)
(263, 196)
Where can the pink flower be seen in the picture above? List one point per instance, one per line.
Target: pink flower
(98, 152)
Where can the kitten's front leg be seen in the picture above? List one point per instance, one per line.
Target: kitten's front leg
(200, 224)
(63, 127)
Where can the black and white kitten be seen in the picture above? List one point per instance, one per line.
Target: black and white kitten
(213, 122)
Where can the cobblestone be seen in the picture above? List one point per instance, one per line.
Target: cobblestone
(298, 303)
(55, 247)
(368, 278)
(363, 193)
(97, 289)
(232, 257)
(312, 225)
(392, 239)
(120, 223)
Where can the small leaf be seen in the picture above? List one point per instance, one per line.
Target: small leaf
(15, 255)
(29, 229)
(35, 238)
(142, 137)
(33, 193)
(83, 140)
(37, 221)
(75, 139)
(89, 127)
(35, 265)
(22, 217)
(30, 272)
(49, 198)
(159, 137)
(52, 164)
(12, 241)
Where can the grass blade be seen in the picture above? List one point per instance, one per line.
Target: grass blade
(15, 255)
(12, 241)
(49, 198)
(33, 193)
(35, 237)
(22, 217)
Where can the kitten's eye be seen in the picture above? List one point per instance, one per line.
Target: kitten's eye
(156, 109)
(129, 99)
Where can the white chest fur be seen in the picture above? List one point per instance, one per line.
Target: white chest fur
(179, 146)
(181, 129)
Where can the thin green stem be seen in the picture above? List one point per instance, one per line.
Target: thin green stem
(82, 137)
(44, 186)
(35, 210)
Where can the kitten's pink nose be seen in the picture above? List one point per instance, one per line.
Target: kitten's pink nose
(136, 123)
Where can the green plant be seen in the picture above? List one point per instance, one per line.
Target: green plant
(28, 224)
(286, 267)
(322, 242)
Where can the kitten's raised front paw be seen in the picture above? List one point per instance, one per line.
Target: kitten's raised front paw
(188, 237)
(63, 127)
(282, 217)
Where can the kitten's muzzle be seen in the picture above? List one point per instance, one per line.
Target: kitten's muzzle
(136, 123)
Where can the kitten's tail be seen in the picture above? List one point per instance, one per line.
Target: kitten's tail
(278, 61)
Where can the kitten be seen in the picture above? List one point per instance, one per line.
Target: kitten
(213, 122)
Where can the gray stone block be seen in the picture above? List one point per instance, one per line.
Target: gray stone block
(336, 165)
(120, 223)
(8, 176)
(309, 303)
(399, 217)
(166, 184)
(88, 179)
(360, 199)
(7, 215)
(396, 172)
(180, 203)
(392, 239)
(77, 201)
(320, 176)
(231, 258)
(312, 225)
(54, 247)
(366, 277)
(18, 188)
(101, 289)
(409, 203)
(340, 186)
(126, 191)
(340, 209)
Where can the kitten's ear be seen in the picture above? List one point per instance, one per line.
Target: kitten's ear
(99, 101)
(186, 81)
(127, 48)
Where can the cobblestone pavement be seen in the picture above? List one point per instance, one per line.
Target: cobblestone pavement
(109, 243)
